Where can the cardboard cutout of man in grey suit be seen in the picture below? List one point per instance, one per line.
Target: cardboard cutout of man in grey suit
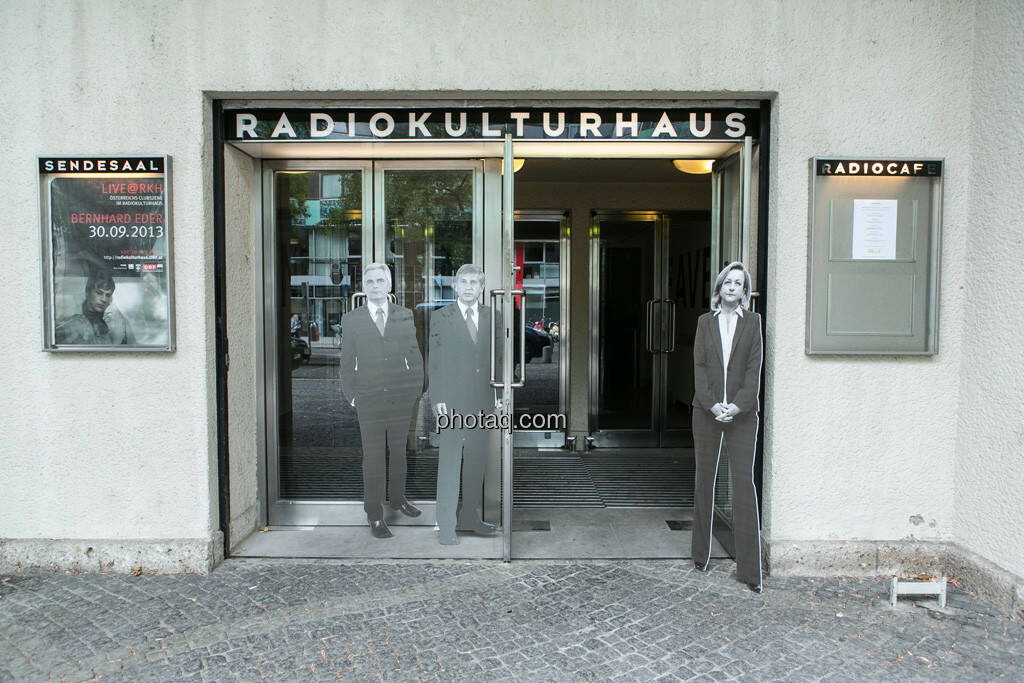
(382, 376)
(458, 369)
(727, 381)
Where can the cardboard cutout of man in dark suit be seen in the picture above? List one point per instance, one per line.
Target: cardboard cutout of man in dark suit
(382, 376)
(458, 369)
(727, 358)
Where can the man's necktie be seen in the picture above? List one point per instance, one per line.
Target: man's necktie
(471, 324)
(380, 321)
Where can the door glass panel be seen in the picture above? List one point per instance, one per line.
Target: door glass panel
(688, 292)
(537, 254)
(731, 212)
(626, 286)
(318, 230)
(428, 234)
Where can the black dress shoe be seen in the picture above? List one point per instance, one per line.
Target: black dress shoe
(700, 567)
(755, 587)
(379, 529)
(478, 526)
(409, 510)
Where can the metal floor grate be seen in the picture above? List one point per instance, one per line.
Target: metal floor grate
(611, 479)
(337, 474)
(635, 478)
(552, 480)
(638, 480)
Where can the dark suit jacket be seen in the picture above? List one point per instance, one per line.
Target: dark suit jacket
(377, 368)
(744, 377)
(457, 369)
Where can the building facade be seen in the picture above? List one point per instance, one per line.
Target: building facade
(869, 463)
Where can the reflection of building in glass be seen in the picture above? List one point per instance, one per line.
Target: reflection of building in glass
(539, 261)
(325, 247)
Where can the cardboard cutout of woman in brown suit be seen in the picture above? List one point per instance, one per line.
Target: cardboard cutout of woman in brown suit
(727, 357)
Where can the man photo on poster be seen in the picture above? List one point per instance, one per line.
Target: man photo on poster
(382, 377)
(458, 373)
(98, 322)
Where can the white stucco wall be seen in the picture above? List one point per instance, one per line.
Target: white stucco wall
(856, 448)
(103, 446)
(243, 290)
(990, 450)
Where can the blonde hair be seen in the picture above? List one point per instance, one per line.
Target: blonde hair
(716, 291)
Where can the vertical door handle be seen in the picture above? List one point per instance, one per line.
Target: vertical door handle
(672, 325)
(753, 301)
(649, 312)
(495, 293)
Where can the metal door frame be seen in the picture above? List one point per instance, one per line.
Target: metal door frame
(297, 512)
(624, 437)
(283, 512)
(535, 438)
(740, 154)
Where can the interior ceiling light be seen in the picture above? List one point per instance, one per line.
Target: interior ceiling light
(695, 166)
(516, 165)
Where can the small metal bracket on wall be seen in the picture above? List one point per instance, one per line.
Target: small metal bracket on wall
(898, 588)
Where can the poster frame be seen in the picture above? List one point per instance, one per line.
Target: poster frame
(930, 170)
(47, 293)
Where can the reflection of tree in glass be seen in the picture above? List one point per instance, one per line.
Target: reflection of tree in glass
(297, 193)
(432, 207)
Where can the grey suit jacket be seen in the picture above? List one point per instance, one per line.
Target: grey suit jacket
(744, 376)
(375, 367)
(458, 371)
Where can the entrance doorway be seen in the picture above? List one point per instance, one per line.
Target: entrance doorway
(324, 220)
(649, 279)
(652, 239)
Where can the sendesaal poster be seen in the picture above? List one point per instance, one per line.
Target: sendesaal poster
(108, 238)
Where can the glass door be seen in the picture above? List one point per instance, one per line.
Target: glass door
(732, 206)
(340, 444)
(316, 236)
(542, 259)
(626, 312)
(733, 238)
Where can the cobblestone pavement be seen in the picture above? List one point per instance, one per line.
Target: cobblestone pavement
(557, 621)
